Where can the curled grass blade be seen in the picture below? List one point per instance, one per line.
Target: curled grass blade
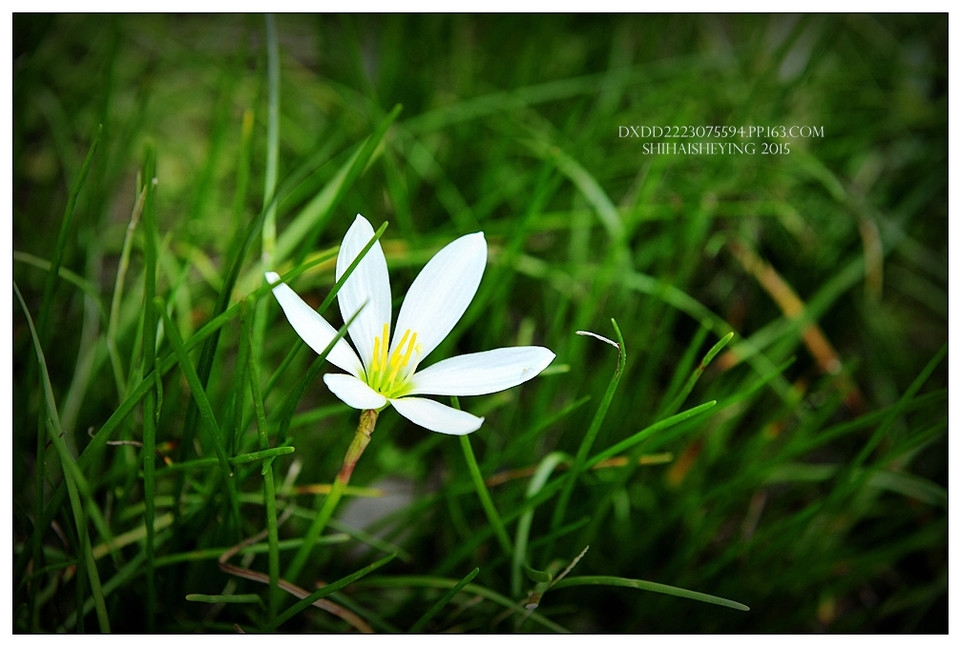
(579, 461)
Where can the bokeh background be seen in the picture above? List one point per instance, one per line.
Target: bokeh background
(814, 491)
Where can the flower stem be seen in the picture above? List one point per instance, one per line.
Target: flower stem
(368, 421)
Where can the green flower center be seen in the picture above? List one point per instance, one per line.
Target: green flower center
(389, 372)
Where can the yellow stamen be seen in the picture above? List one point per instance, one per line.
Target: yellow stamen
(378, 362)
(380, 350)
(389, 371)
(413, 344)
(396, 362)
(374, 367)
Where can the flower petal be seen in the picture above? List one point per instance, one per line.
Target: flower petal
(442, 291)
(368, 287)
(436, 417)
(353, 392)
(312, 327)
(481, 373)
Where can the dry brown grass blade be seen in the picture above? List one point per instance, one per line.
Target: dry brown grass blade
(827, 358)
(252, 575)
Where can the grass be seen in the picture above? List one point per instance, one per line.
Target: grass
(750, 438)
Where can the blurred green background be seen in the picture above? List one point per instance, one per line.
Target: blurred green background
(814, 491)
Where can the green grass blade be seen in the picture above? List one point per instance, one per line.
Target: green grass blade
(579, 461)
(241, 459)
(561, 481)
(470, 588)
(148, 364)
(224, 598)
(647, 432)
(307, 226)
(854, 474)
(209, 349)
(588, 185)
(261, 456)
(684, 367)
(49, 288)
(649, 586)
(442, 601)
(312, 536)
(520, 556)
(75, 483)
(696, 374)
(95, 447)
(896, 410)
(499, 530)
(119, 374)
(206, 411)
(330, 502)
(269, 236)
(269, 488)
(63, 235)
(71, 277)
(326, 591)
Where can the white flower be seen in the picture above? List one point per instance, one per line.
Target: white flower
(383, 370)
